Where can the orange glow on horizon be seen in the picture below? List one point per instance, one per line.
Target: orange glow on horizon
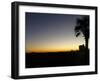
(58, 46)
(59, 49)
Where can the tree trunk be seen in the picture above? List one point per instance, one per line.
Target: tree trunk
(86, 43)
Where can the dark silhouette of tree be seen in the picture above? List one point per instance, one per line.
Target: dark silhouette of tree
(82, 27)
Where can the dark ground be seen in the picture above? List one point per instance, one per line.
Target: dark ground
(53, 59)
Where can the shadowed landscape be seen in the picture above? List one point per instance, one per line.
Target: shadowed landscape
(53, 59)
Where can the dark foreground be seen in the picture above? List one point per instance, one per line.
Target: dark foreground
(53, 59)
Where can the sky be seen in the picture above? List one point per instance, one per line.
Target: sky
(45, 32)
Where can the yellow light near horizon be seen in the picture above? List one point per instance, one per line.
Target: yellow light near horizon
(52, 49)
(52, 46)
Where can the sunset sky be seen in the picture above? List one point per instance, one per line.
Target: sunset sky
(51, 32)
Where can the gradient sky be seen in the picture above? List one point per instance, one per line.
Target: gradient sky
(51, 32)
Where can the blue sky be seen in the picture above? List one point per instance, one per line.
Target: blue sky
(51, 32)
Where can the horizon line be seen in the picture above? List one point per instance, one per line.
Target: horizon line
(53, 51)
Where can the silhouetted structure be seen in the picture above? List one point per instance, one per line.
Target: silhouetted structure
(81, 47)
